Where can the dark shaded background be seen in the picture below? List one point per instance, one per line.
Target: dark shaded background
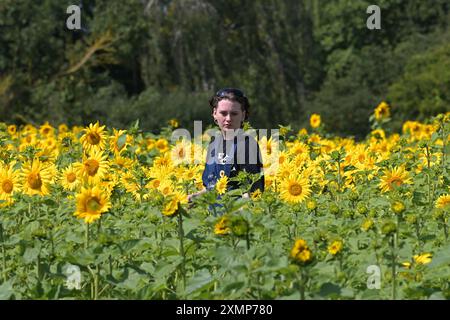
(154, 60)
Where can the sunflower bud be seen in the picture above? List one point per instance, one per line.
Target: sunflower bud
(348, 213)
(334, 209)
(388, 227)
(311, 205)
(398, 207)
(362, 208)
(411, 219)
(353, 196)
(239, 226)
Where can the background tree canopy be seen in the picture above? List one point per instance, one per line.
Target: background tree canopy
(159, 59)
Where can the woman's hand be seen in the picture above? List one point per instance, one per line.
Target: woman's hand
(193, 195)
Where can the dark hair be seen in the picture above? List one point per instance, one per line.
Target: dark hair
(231, 94)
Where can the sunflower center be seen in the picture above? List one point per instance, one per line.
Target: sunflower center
(93, 204)
(156, 183)
(45, 131)
(91, 166)
(295, 189)
(181, 153)
(34, 181)
(7, 186)
(71, 177)
(361, 158)
(93, 138)
(396, 181)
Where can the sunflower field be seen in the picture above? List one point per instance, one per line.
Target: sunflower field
(99, 213)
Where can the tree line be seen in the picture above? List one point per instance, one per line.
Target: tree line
(154, 60)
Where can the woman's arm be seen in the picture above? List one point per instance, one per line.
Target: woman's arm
(193, 195)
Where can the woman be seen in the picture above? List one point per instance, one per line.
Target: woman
(231, 150)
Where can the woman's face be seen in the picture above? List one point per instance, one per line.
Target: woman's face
(229, 115)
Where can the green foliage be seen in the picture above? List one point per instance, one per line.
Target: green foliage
(156, 60)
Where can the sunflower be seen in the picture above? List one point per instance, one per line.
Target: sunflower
(94, 137)
(63, 128)
(162, 145)
(300, 251)
(335, 247)
(315, 120)
(221, 185)
(382, 111)
(12, 129)
(423, 258)
(396, 177)
(181, 153)
(170, 208)
(131, 185)
(46, 130)
(119, 141)
(173, 123)
(222, 227)
(69, 179)
(93, 168)
(295, 189)
(91, 203)
(36, 177)
(443, 201)
(9, 184)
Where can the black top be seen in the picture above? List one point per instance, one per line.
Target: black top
(246, 157)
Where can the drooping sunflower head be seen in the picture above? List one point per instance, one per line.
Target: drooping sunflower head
(91, 203)
(295, 189)
(94, 137)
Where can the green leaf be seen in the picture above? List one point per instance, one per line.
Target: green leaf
(201, 279)
(6, 290)
(121, 141)
(30, 254)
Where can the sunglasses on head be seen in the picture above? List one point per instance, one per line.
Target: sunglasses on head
(222, 92)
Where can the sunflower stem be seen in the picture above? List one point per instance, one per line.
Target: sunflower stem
(183, 254)
(3, 253)
(86, 236)
(394, 275)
